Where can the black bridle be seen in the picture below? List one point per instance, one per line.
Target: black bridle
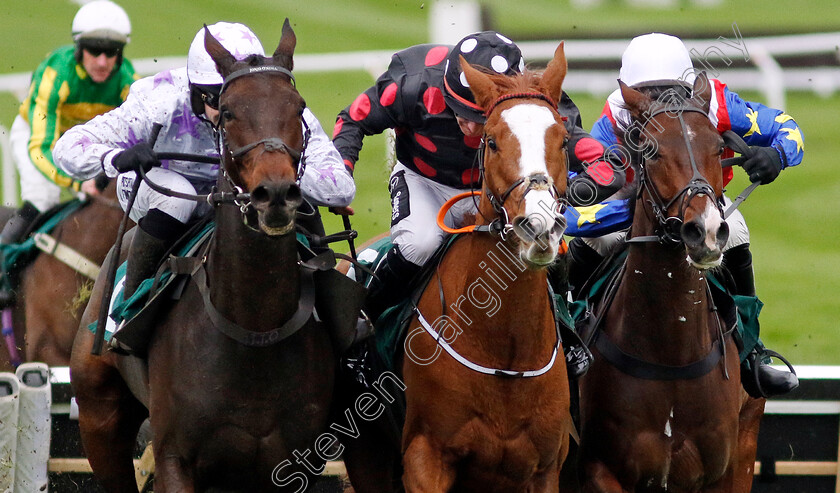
(668, 231)
(237, 196)
(501, 225)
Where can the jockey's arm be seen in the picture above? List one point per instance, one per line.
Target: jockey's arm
(760, 125)
(86, 150)
(367, 115)
(43, 108)
(326, 181)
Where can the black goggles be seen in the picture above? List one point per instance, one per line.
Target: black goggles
(95, 50)
(211, 99)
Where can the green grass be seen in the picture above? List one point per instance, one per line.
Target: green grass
(794, 222)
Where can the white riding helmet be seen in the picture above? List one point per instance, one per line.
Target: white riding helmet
(656, 59)
(236, 38)
(101, 19)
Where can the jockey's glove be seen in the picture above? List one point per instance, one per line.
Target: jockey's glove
(134, 158)
(764, 165)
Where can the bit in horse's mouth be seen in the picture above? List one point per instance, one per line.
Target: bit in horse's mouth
(275, 231)
(704, 265)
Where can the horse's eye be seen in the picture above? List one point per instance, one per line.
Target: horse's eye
(226, 114)
(720, 150)
(565, 142)
(491, 143)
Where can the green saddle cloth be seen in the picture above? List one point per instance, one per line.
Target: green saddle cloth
(746, 308)
(126, 309)
(17, 256)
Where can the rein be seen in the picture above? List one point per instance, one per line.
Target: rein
(501, 225)
(238, 196)
(669, 226)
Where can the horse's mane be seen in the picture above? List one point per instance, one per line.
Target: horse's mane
(526, 81)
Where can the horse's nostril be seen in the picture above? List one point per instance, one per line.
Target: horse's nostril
(529, 228)
(260, 195)
(692, 233)
(723, 234)
(294, 195)
(276, 194)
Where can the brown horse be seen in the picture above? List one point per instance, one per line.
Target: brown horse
(229, 411)
(492, 414)
(662, 407)
(52, 296)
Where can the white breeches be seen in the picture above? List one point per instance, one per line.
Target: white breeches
(148, 199)
(415, 202)
(34, 186)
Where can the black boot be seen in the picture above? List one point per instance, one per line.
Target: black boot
(13, 232)
(391, 283)
(155, 234)
(583, 262)
(758, 378)
(19, 224)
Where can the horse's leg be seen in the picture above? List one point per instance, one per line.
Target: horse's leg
(752, 410)
(109, 415)
(49, 289)
(597, 478)
(170, 474)
(425, 469)
(548, 482)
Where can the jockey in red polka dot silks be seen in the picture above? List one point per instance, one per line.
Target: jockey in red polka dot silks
(656, 63)
(426, 100)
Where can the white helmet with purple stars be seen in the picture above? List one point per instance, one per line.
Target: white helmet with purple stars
(236, 38)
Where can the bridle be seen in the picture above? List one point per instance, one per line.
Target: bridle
(501, 225)
(237, 196)
(668, 230)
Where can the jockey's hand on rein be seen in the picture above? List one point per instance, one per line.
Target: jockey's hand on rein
(132, 159)
(764, 165)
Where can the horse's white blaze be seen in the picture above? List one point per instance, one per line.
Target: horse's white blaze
(529, 124)
(712, 222)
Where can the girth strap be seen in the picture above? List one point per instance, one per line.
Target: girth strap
(647, 370)
(304, 312)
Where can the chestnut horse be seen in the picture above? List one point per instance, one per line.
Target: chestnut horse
(51, 295)
(662, 407)
(227, 410)
(487, 399)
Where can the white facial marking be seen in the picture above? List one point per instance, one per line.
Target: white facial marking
(712, 222)
(529, 124)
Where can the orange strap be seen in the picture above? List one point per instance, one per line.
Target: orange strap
(448, 205)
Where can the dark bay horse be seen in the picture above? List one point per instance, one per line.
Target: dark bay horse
(662, 407)
(488, 403)
(52, 296)
(227, 412)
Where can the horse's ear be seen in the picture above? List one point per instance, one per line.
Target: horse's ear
(555, 73)
(286, 49)
(224, 60)
(702, 91)
(636, 102)
(481, 85)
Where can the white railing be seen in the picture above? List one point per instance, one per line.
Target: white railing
(715, 55)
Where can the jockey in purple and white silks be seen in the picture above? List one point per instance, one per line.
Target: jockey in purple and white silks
(425, 98)
(185, 102)
(654, 62)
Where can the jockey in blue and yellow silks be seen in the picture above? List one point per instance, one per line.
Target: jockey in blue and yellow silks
(657, 61)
